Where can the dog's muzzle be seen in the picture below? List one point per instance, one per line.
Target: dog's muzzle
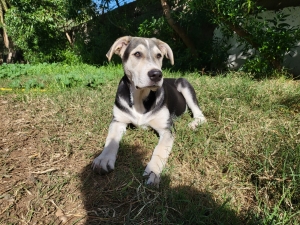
(155, 75)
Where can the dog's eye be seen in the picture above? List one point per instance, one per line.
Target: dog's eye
(158, 56)
(137, 54)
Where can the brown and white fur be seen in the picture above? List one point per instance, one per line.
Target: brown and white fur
(145, 98)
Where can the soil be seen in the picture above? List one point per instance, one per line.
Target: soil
(37, 160)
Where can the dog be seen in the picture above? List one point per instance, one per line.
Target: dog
(145, 98)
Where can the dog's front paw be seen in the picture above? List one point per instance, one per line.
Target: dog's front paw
(104, 164)
(196, 122)
(153, 179)
(152, 173)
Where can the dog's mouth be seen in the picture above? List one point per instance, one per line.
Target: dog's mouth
(154, 86)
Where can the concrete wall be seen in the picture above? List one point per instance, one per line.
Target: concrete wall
(291, 60)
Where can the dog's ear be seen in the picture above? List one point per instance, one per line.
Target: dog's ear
(166, 50)
(118, 47)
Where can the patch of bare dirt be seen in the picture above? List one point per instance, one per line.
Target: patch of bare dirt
(38, 158)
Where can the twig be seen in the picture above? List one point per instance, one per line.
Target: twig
(45, 171)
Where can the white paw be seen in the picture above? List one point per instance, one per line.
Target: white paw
(153, 175)
(104, 163)
(153, 179)
(196, 122)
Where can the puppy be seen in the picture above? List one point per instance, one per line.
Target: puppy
(145, 98)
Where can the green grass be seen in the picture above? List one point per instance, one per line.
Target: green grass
(242, 167)
(54, 76)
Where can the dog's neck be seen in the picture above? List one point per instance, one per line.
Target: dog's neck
(142, 99)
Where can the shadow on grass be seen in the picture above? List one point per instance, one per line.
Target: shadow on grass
(122, 198)
(292, 102)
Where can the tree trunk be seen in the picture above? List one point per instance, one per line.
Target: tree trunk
(5, 38)
(4, 34)
(9, 57)
(182, 34)
(69, 38)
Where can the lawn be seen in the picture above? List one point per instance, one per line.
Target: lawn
(242, 167)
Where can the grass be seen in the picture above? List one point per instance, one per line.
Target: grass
(55, 76)
(242, 167)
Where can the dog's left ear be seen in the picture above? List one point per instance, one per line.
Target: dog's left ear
(118, 47)
(166, 50)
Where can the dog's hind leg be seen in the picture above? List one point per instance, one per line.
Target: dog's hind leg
(188, 92)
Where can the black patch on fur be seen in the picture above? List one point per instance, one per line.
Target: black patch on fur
(174, 99)
(123, 92)
(149, 101)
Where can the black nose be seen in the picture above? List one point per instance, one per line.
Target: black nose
(155, 75)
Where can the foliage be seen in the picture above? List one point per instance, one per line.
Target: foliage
(149, 27)
(271, 38)
(145, 18)
(277, 38)
(212, 52)
(104, 29)
(35, 28)
(92, 47)
(81, 10)
(39, 29)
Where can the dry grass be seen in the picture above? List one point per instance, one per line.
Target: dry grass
(243, 167)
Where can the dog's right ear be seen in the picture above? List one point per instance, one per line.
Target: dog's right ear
(118, 47)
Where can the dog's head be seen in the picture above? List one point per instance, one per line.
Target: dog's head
(142, 59)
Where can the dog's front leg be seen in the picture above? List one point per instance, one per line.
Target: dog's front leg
(159, 157)
(105, 162)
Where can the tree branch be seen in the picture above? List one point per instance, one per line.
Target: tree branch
(69, 39)
(182, 34)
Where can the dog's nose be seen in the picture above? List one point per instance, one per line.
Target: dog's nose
(155, 75)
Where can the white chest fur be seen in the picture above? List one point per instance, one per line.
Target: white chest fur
(137, 117)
